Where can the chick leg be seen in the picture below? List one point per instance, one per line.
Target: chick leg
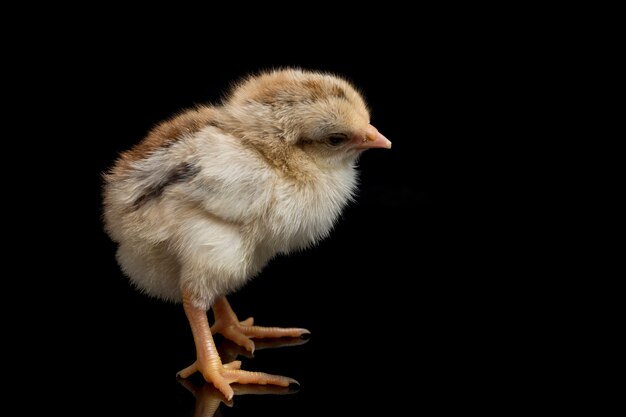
(208, 361)
(241, 332)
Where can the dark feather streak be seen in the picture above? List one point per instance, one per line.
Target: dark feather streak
(180, 173)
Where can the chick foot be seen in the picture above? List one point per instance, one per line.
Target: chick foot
(221, 376)
(241, 332)
(208, 398)
(209, 363)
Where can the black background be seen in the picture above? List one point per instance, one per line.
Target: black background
(410, 301)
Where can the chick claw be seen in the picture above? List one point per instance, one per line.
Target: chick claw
(227, 324)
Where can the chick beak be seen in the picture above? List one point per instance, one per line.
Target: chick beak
(373, 139)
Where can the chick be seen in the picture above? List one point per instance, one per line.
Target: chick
(210, 196)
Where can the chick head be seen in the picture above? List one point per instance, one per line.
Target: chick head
(321, 114)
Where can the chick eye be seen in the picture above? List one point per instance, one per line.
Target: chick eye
(336, 140)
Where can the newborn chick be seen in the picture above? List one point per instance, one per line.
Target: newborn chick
(210, 196)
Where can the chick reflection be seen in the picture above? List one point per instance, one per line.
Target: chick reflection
(208, 398)
(229, 350)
